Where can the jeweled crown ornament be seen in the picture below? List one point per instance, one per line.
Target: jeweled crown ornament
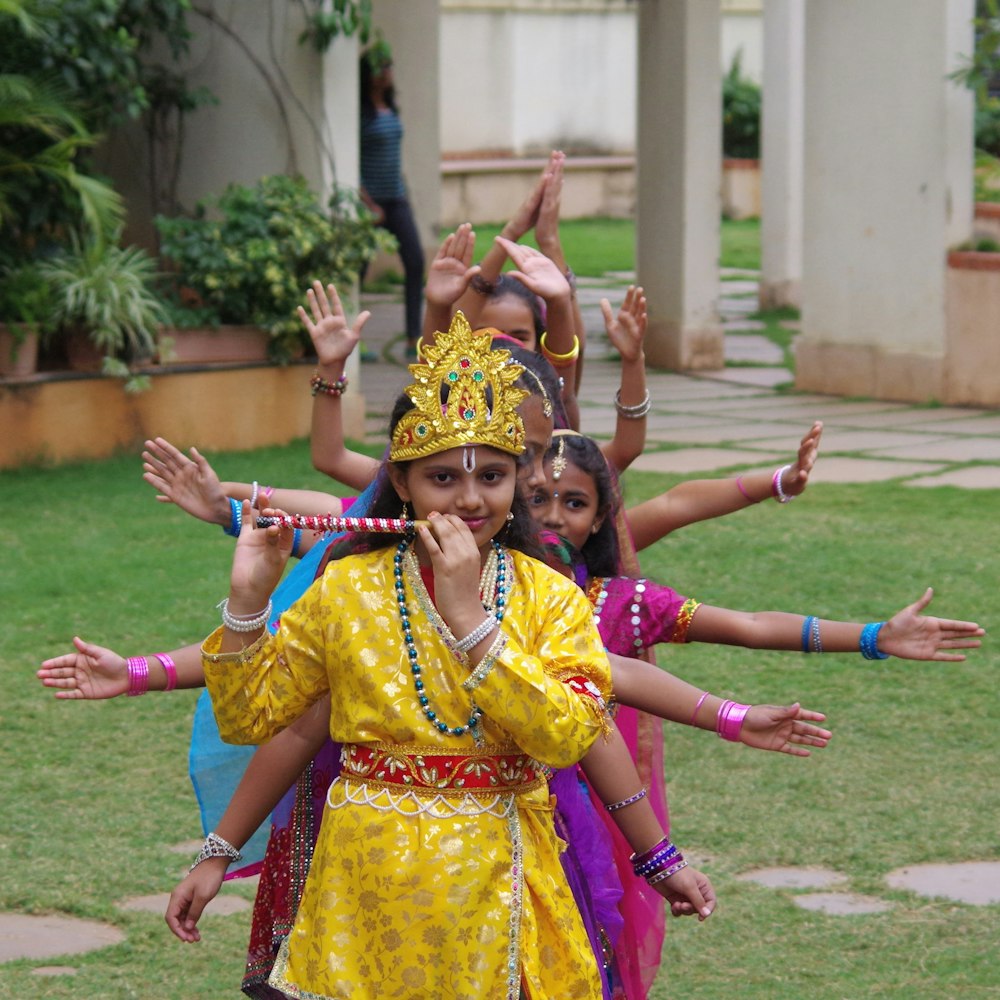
(463, 394)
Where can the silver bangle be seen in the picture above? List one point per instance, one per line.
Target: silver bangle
(253, 494)
(615, 806)
(244, 623)
(215, 847)
(634, 412)
(476, 636)
(487, 663)
(665, 873)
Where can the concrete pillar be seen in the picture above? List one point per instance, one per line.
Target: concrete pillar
(887, 175)
(781, 154)
(679, 157)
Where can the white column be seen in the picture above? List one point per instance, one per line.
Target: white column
(679, 166)
(781, 154)
(888, 164)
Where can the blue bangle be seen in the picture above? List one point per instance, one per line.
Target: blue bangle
(806, 625)
(868, 644)
(296, 539)
(236, 518)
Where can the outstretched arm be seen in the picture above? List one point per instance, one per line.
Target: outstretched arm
(270, 773)
(702, 499)
(909, 634)
(611, 772)
(627, 331)
(334, 339)
(95, 672)
(642, 685)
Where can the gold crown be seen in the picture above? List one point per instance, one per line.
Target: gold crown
(451, 405)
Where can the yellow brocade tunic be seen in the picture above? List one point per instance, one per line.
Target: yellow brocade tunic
(414, 895)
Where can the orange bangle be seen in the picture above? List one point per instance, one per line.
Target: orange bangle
(560, 360)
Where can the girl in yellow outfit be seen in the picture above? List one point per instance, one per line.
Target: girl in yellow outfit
(458, 670)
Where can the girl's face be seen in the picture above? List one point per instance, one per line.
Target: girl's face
(511, 315)
(567, 506)
(537, 438)
(481, 498)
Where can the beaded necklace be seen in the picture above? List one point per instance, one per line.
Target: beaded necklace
(493, 585)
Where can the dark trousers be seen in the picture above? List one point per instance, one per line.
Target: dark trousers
(400, 222)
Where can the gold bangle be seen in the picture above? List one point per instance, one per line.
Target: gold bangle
(418, 348)
(559, 360)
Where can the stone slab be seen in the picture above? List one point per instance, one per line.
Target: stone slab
(865, 470)
(685, 460)
(841, 904)
(917, 419)
(954, 449)
(753, 347)
(973, 477)
(737, 325)
(222, 906)
(794, 878)
(886, 442)
(974, 882)
(788, 434)
(28, 936)
(768, 378)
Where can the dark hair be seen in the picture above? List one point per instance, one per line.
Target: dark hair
(543, 372)
(520, 533)
(365, 74)
(505, 285)
(600, 552)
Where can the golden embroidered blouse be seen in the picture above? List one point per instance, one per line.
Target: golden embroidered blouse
(406, 899)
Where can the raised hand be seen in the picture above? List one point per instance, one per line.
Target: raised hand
(452, 268)
(537, 271)
(915, 636)
(190, 483)
(787, 729)
(526, 217)
(191, 895)
(627, 330)
(794, 480)
(258, 562)
(91, 673)
(547, 223)
(327, 325)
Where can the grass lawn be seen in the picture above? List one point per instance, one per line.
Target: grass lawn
(97, 793)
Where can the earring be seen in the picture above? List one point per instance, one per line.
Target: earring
(510, 516)
(405, 515)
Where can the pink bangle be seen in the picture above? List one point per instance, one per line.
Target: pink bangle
(729, 721)
(697, 708)
(742, 489)
(138, 675)
(169, 668)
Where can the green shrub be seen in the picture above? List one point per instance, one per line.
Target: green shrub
(740, 114)
(250, 255)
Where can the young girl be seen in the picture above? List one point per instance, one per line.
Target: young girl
(441, 809)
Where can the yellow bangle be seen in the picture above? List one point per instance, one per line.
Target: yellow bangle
(418, 348)
(560, 360)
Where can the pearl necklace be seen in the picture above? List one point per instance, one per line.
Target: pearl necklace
(493, 584)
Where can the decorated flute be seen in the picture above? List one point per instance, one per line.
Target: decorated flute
(329, 523)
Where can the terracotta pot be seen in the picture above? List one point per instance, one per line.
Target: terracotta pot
(211, 345)
(82, 354)
(18, 350)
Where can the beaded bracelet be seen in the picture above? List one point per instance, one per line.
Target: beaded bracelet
(776, 491)
(476, 636)
(169, 669)
(615, 806)
(254, 492)
(487, 663)
(243, 623)
(235, 518)
(660, 876)
(666, 857)
(817, 645)
(215, 847)
(138, 675)
(729, 721)
(634, 412)
(560, 360)
(868, 643)
(321, 385)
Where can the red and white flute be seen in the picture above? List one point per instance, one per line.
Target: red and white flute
(329, 523)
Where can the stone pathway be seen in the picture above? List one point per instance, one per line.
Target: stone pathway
(733, 417)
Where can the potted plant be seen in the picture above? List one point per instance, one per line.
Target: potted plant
(103, 301)
(741, 101)
(23, 308)
(249, 256)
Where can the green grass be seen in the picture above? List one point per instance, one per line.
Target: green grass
(97, 794)
(596, 246)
